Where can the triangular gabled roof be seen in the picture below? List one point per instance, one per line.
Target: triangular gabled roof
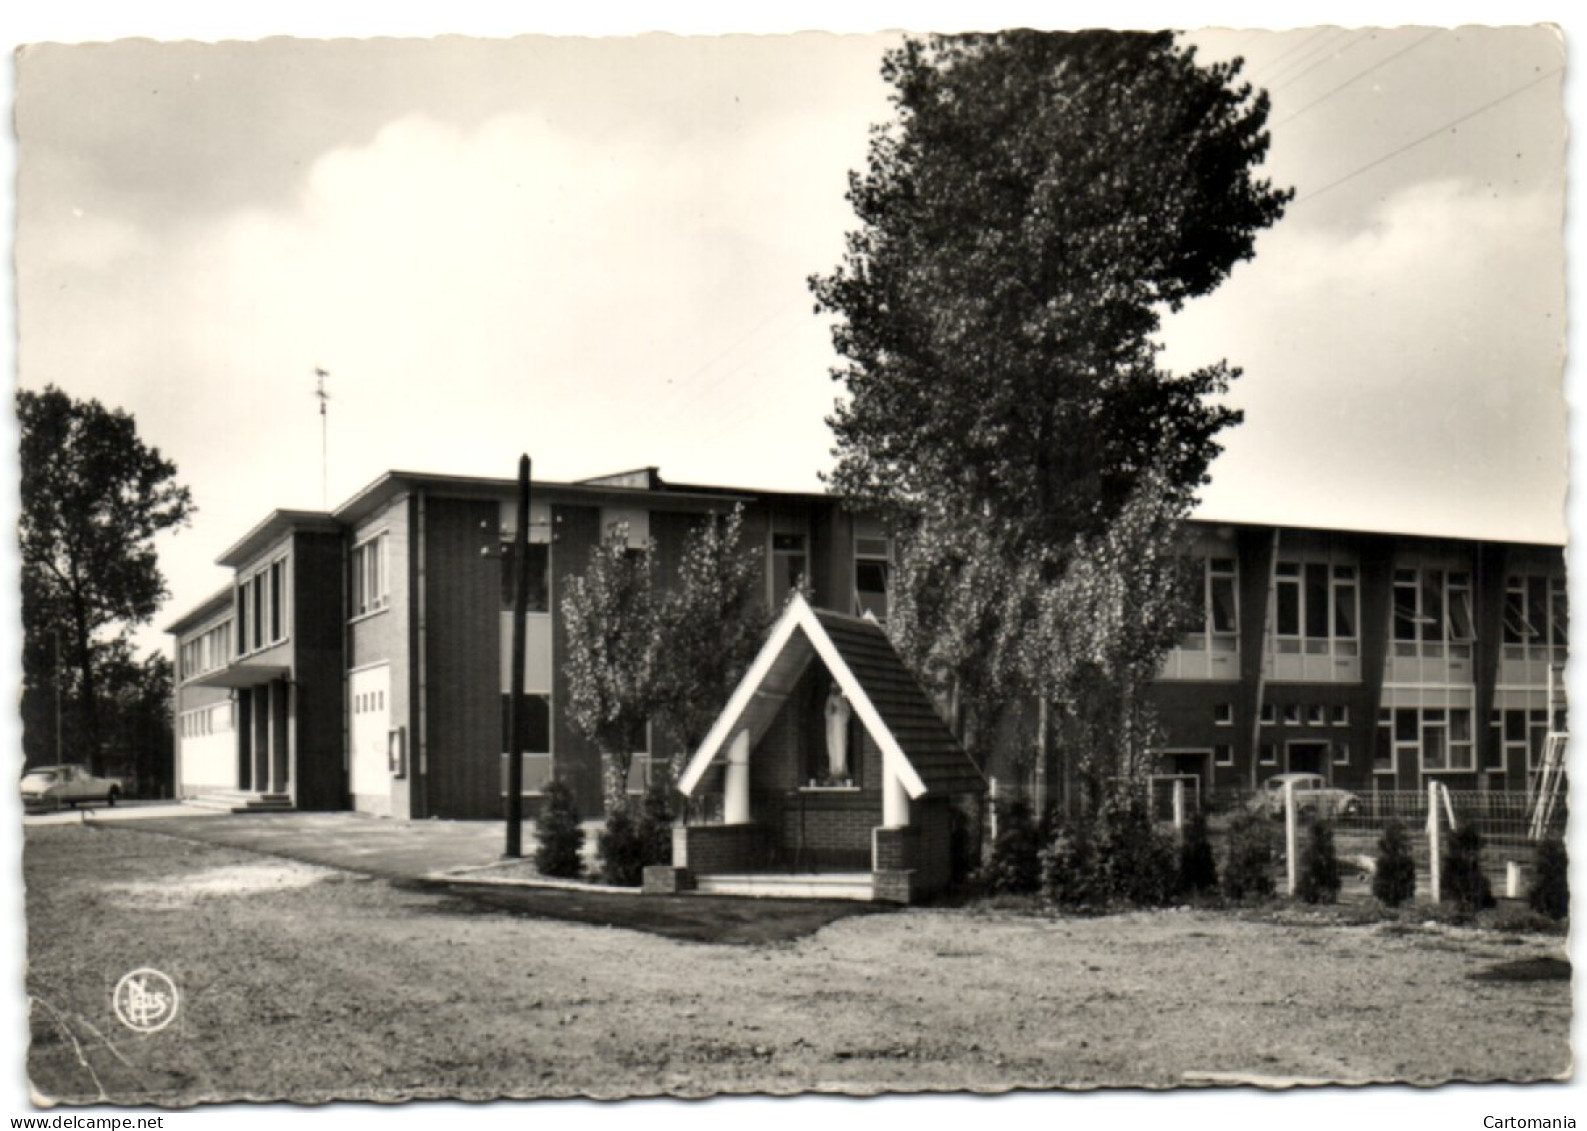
(915, 743)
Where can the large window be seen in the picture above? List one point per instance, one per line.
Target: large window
(789, 566)
(534, 724)
(1432, 613)
(1519, 737)
(263, 612)
(369, 581)
(1536, 617)
(872, 571)
(206, 652)
(1440, 737)
(1315, 608)
(538, 596)
(1220, 618)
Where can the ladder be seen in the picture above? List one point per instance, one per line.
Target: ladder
(1551, 783)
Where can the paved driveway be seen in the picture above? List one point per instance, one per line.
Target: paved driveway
(371, 845)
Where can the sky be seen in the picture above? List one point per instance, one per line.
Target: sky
(596, 251)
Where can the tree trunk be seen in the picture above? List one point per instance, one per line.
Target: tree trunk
(614, 779)
(89, 690)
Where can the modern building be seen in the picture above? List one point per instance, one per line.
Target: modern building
(359, 658)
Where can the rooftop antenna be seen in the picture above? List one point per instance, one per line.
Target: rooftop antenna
(323, 397)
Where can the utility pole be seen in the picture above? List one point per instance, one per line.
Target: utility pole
(325, 464)
(59, 757)
(515, 701)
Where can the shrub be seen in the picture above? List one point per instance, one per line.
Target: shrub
(1317, 880)
(1198, 870)
(1549, 892)
(1138, 865)
(655, 823)
(1015, 865)
(1069, 868)
(1117, 857)
(561, 840)
(1463, 882)
(1248, 864)
(621, 848)
(1394, 881)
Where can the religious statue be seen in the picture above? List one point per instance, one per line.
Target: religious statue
(838, 712)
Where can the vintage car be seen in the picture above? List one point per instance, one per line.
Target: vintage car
(51, 787)
(1314, 797)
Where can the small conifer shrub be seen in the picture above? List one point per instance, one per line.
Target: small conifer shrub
(1464, 883)
(1317, 880)
(1549, 892)
(1198, 870)
(621, 849)
(1249, 858)
(561, 840)
(1394, 880)
(1015, 863)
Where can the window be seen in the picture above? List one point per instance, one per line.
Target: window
(1266, 714)
(1439, 736)
(206, 652)
(1433, 613)
(538, 596)
(1520, 738)
(872, 571)
(1314, 715)
(1220, 611)
(1536, 617)
(1340, 714)
(534, 724)
(369, 590)
(1383, 747)
(1223, 714)
(1268, 754)
(262, 608)
(1341, 753)
(1292, 714)
(788, 566)
(1315, 608)
(1223, 755)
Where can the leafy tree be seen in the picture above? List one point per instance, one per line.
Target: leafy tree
(610, 613)
(1037, 202)
(1394, 877)
(1015, 866)
(94, 497)
(708, 628)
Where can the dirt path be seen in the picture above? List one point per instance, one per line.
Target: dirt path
(311, 983)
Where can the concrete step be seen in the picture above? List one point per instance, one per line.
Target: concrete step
(789, 885)
(238, 801)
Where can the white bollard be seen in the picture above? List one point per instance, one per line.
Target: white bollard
(1179, 805)
(1512, 879)
(1291, 835)
(1435, 850)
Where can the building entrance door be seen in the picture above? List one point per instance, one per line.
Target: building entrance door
(1307, 758)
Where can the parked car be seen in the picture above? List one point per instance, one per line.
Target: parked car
(1314, 797)
(50, 787)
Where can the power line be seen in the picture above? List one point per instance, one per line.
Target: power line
(1357, 77)
(1429, 136)
(1285, 54)
(1360, 38)
(1306, 56)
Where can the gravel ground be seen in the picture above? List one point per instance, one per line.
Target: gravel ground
(311, 983)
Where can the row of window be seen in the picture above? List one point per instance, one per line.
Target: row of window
(1316, 608)
(368, 576)
(206, 652)
(368, 701)
(1293, 714)
(214, 719)
(262, 608)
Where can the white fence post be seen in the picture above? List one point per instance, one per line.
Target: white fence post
(1291, 862)
(991, 807)
(1179, 805)
(1434, 847)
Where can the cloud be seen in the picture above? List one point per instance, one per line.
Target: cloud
(1406, 375)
